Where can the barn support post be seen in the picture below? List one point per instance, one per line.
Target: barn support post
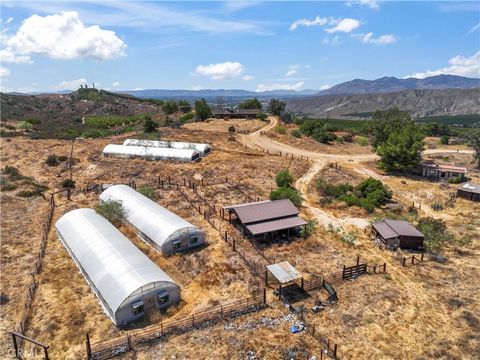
(161, 329)
(266, 277)
(129, 343)
(280, 292)
(193, 319)
(89, 347)
(234, 244)
(221, 311)
(264, 296)
(225, 236)
(302, 284)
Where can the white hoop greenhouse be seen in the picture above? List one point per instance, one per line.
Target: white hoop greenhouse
(160, 228)
(126, 282)
(151, 153)
(203, 149)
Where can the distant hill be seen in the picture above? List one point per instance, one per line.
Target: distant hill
(212, 94)
(418, 102)
(72, 106)
(392, 84)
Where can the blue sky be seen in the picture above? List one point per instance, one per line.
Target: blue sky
(47, 46)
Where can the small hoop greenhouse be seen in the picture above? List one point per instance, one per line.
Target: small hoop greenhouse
(203, 149)
(165, 231)
(126, 282)
(151, 153)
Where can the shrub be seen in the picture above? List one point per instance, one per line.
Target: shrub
(38, 190)
(68, 184)
(147, 191)
(62, 158)
(284, 178)
(323, 136)
(349, 238)
(185, 117)
(232, 129)
(281, 129)
(339, 139)
(348, 137)
(287, 193)
(8, 186)
(112, 211)
(436, 234)
(33, 121)
(24, 125)
(362, 140)
(444, 140)
(261, 116)
(296, 133)
(309, 229)
(456, 180)
(150, 125)
(169, 107)
(52, 160)
(95, 133)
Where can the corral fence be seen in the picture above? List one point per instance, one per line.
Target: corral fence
(358, 269)
(330, 349)
(18, 336)
(113, 347)
(413, 260)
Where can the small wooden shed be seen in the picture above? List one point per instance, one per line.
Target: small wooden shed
(469, 191)
(394, 234)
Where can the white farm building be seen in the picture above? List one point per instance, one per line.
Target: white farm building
(151, 153)
(125, 280)
(203, 149)
(166, 232)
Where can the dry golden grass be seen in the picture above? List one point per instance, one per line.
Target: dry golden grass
(427, 311)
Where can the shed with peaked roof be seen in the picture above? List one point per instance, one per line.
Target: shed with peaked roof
(439, 171)
(265, 217)
(469, 191)
(396, 234)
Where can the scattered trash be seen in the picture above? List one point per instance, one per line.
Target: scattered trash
(317, 308)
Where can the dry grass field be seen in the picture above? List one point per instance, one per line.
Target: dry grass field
(430, 310)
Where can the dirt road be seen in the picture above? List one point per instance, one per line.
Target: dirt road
(320, 160)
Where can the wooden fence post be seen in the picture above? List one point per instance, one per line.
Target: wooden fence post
(403, 264)
(15, 346)
(89, 348)
(384, 267)
(264, 296)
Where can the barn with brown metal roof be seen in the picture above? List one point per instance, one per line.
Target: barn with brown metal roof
(265, 218)
(469, 191)
(394, 234)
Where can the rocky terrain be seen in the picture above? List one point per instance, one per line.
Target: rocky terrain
(418, 102)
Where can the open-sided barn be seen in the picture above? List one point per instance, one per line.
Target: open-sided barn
(396, 234)
(165, 231)
(125, 280)
(203, 149)
(151, 153)
(265, 218)
(469, 191)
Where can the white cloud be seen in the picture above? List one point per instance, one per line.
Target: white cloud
(334, 40)
(344, 25)
(237, 5)
(318, 21)
(138, 89)
(337, 25)
(372, 4)
(71, 84)
(221, 71)
(9, 56)
(325, 87)
(248, 77)
(9, 20)
(115, 84)
(4, 72)
(292, 70)
(64, 36)
(473, 29)
(381, 40)
(459, 65)
(280, 86)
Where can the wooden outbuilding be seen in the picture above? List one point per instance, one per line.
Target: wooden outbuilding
(236, 113)
(437, 171)
(394, 234)
(469, 191)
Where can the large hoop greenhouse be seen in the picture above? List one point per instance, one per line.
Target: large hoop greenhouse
(165, 231)
(203, 149)
(126, 282)
(151, 153)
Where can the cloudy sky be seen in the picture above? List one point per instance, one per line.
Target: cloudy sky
(48, 46)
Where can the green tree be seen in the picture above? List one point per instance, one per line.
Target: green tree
(150, 125)
(169, 107)
(68, 184)
(383, 123)
(284, 178)
(202, 110)
(445, 139)
(402, 151)
(287, 193)
(261, 115)
(250, 104)
(276, 106)
(112, 211)
(474, 143)
(436, 234)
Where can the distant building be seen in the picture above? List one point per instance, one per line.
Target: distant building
(437, 171)
(265, 218)
(469, 191)
(236, 114)
(394, 234)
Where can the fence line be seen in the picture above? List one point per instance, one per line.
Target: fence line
(413, 260)
(109, 348)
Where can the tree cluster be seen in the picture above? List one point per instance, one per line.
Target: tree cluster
(285, 190)
(202, 110)
(250, 104)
